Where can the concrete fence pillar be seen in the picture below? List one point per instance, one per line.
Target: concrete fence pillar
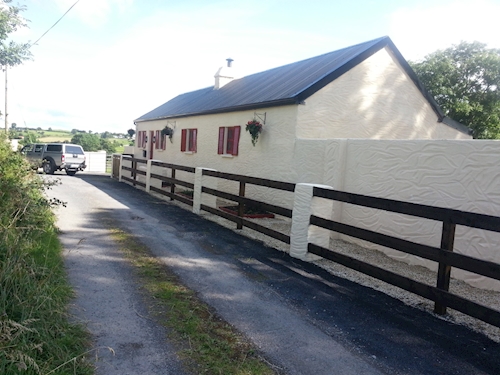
(148, 175)
(120, 170)
(302, 233)
(206, 199)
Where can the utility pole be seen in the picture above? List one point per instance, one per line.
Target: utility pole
(5, 115)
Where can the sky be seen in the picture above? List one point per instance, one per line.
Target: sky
(108, 62)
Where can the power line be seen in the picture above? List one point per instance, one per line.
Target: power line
(71, 7)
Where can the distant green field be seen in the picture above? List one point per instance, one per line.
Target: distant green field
(46, 136)
(55, 136)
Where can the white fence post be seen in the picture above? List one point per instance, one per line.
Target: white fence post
(148, 175)
(199, 181)
(302, 233)
(120, 170)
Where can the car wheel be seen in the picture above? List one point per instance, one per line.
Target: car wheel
(48, 167)
(70, 173)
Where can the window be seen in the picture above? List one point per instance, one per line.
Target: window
(160, 140)
(74, 150)
(50, 148)
(141, 139)
(188, 140)
(229, 137)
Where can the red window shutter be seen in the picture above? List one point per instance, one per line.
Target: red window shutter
(194, 135)
(221, 140)
(183, 139)
(236, 139)
(138, 139)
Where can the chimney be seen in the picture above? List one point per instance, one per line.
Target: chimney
(224, 75)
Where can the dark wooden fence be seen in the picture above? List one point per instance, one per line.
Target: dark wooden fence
(444, 255)
(244, 201)
(115, 165)
(134, 171)
(173, 182)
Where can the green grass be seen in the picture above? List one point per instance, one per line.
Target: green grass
(210, 345)
(55, 136)
(36, 336)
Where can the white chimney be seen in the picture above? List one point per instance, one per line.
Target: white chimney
(224, 75)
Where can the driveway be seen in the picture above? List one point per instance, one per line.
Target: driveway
(304, 320)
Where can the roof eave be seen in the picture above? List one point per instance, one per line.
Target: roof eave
(456, 125)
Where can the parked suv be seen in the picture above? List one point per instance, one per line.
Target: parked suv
(55, 157)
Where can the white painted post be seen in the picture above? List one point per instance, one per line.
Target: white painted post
(148, 175)
(302, 233)
(199, 181)
(120, 171)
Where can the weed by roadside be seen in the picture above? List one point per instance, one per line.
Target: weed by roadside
(210, 345)
(35, 335)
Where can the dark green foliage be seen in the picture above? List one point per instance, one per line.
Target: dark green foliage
(465, 80)
(94, 142)
(11, 53)
(35, 336)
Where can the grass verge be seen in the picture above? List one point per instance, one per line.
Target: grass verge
(208, 344)
(36, 336)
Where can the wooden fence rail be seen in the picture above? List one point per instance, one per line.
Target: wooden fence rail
(444, 255)
(243, 202)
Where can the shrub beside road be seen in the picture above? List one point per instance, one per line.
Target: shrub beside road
(35, 335)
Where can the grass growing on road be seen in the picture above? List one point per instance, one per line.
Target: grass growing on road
(211, 346)
(35, 335)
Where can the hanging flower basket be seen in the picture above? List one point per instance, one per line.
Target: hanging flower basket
(169, 132)
(254, 127)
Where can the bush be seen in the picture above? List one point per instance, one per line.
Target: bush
(35, 336)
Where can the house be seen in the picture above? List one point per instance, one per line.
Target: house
(358, 120)
(363, 91)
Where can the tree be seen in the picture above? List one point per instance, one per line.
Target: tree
(89, 142)
(93, 142)
(11, 53)
(465, 81)
(108, 146)
(131, 133)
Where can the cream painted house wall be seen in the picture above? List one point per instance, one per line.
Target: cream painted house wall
(376, 99)
(270, 158)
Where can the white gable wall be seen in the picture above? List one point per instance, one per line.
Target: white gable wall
(375, 99)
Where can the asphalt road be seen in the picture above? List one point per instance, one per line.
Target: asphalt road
(304, 320)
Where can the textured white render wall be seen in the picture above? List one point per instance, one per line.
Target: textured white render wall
(375, 99)
(456, 174)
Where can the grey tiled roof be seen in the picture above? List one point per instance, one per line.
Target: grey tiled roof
(288, 84)
(274, 86)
